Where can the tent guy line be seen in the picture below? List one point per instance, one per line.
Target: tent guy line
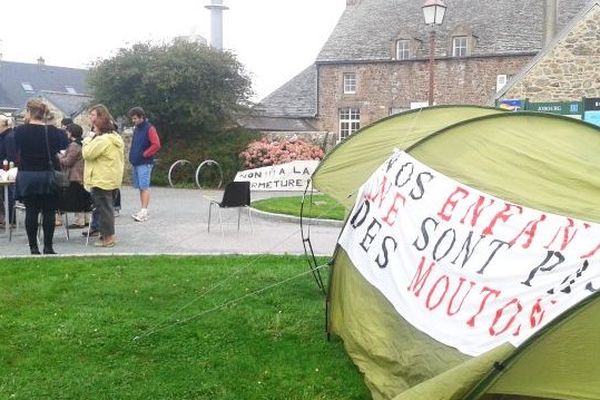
(225, 304)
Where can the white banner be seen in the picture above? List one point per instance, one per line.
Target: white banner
(291, 176)
(469, 269)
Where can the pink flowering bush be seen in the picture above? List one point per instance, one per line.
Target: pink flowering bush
(265, 152)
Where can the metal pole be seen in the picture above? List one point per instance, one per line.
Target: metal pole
(431, 69)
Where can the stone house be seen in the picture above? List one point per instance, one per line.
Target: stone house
(565, 70)
(376, 61)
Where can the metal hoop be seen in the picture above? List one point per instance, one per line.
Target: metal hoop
(173, 167)
(208, 162)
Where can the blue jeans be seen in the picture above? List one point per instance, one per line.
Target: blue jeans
(141, 176)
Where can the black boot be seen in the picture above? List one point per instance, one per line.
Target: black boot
(34, 250)
(49, 250)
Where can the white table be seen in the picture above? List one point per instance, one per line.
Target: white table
(5, 185)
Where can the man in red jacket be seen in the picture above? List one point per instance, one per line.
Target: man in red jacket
(144, 145)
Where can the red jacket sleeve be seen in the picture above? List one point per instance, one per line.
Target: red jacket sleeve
(154, 143)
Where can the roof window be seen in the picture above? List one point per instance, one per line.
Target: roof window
(27, 86)
(71, 90)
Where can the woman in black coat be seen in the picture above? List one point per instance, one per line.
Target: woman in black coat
(37, 144)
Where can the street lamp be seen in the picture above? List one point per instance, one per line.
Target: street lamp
(433, 12)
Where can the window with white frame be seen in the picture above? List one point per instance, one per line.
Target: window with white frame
(349, 122)
(27, 86)
(71, 89)
(459, 46)
(501, 81)
(350, 83)
(402, 49)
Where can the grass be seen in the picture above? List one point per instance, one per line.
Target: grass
(67, 329)
(322, 206)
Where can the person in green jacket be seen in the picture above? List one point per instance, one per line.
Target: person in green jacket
(103, 155)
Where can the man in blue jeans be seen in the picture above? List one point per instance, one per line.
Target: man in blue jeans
(144, 145)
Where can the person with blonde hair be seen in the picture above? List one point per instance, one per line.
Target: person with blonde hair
(8, 152)
(104, 156)
(37, 144)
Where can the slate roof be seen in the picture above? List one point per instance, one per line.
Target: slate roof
(69, 104)
(296, 98)
(40, 77)
(366, 31)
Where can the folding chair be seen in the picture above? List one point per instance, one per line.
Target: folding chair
(236, 195)
(75, 199)
(19, 207)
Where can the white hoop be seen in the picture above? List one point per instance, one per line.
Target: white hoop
(173, 167)
(208, 162)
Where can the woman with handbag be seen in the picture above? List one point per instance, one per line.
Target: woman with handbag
(38, 144)
(71, 161)
(103, 170)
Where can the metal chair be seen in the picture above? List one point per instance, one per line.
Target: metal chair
(236, 195)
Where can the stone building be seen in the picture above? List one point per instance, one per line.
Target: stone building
(375, 62)
(565, 70)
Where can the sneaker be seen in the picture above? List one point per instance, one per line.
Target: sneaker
(140, 216)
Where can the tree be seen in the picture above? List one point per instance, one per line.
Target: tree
(187, 89)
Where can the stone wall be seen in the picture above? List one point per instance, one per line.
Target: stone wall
(569, 71)
(387, 87)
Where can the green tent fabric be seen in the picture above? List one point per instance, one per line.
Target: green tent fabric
(541, 161)
(354, 160)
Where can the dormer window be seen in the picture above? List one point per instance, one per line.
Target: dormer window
(71, 89)
(27, 86)
(349, 83)
(459, 46)
(402, 49)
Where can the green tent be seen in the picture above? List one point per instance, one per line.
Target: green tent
(541, 161)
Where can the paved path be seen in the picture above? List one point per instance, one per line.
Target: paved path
(177, 224)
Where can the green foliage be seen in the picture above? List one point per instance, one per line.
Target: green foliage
(223, 148)
(321, 206)
(187, 89)
(67, 329)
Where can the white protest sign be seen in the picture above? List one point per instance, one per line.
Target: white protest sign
(292, 176)
(467, 268)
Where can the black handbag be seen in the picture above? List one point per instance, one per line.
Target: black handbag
(57, 180)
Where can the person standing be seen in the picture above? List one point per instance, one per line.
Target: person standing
(103, 170)
(144, 145)
(8, 152)
(71, 162)
(37, 143)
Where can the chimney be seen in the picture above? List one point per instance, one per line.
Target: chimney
(550, 13)
(216, 23)
(41, 61)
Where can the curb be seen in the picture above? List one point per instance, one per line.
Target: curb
(290, 218)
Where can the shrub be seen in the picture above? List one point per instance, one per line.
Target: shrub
(267, 152)
(222, 147)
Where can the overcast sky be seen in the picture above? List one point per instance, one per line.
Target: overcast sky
(274, 39)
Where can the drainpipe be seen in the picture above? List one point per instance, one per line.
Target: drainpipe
(550, 13)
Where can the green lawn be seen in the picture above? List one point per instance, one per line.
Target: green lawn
(67, 329)
(322, 206)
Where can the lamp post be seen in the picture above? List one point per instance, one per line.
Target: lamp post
(433, 12)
